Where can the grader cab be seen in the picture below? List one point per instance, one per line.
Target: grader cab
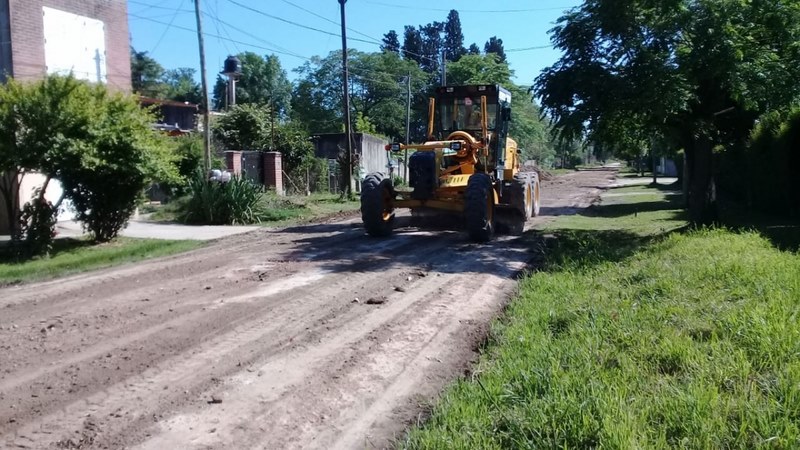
(468, 166)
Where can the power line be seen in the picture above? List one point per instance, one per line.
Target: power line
(211, 14)
(538, 47)
(327, 19)
(161, 38)
(221, 37)
(224, 29)
(149, 6)
(262, 40)
(281, 19)
(481, 11)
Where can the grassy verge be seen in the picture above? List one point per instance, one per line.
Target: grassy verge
(275, 210)
(632, 338)
(78, 255)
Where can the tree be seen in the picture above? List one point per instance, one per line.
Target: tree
(146, 75)
(432, 46)
(474, 49)
(391, 42)
(248, 127)
(412, 44)
(495, 45)
(150, 79)
(377, 91)
(244, 127)
(453, 37)
(262, 82)
(697, 72)
(181, 85)
(99, 145)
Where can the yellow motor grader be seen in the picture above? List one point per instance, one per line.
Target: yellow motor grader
(468, 166)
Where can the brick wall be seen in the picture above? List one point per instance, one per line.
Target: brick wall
(27, 36)
(273, 171)
(233, 160)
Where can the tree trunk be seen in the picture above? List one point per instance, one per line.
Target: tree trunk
(9, 190)
(702, 195)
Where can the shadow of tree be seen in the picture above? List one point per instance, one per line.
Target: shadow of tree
(346, 248)
(11, 255)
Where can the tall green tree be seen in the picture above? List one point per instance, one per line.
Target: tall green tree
(412, 44)
(181, 85)
(149, 78)
(146, 75)
(432, 46)
(98, 144)
(495, 45)
(391, 42)
(696, 72)
(474, 49)
(263, 82)
(378, 91)
(454, 37)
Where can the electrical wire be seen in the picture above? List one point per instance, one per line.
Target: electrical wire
(161, 38)
(538, 47)
(328, 20)
(260, 39)
(213, 16)
(221, 37)
(281, 19)
(480, 11)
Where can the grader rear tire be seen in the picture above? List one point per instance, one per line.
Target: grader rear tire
(377, 211)
(479, 207)
(536, 204)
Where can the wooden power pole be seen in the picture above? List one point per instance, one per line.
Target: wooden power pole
(206, 103)
(348, 173)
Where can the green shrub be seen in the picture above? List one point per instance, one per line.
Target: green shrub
(212, 203)
(762, 172)
(37, 222)
(98, 144)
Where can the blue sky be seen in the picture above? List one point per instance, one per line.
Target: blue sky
(165, 29)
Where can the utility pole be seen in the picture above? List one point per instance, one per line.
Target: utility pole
(206, 106)
(348, 173)
(408, 127)
(444, 68)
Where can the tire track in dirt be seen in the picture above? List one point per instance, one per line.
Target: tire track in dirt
(297, 362)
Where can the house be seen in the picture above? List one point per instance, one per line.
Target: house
(88, 38)
(177, 118)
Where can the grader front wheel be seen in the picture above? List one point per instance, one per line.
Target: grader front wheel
(479, 207)
(377, 209)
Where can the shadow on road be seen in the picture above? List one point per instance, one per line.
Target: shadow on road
(346, 248)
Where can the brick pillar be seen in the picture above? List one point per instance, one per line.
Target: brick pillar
(233, 161)
(273, 171)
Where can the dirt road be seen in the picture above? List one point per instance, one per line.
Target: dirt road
(309, 337)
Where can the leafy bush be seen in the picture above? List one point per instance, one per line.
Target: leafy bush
(36, 230)
(99, 145)
(233, 203)
(771, 161)
(116, 160)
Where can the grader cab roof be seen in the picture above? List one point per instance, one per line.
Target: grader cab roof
(459, 108)
(494, 93)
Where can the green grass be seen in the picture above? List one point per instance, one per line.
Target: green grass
(290, 210)
(632, 338)
(643, 210)
(72, 256)
(275, 210)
